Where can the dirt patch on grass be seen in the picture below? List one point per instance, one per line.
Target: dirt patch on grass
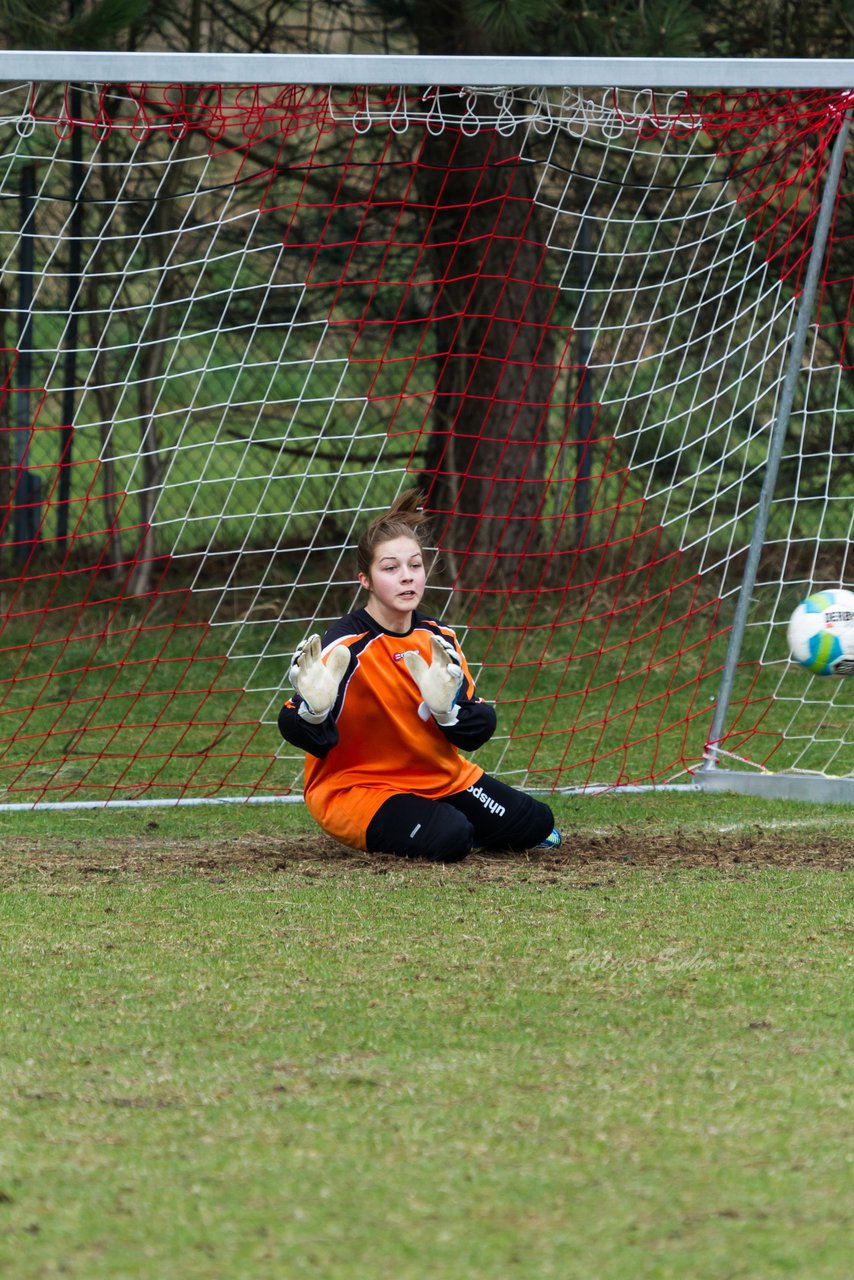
(581, 857)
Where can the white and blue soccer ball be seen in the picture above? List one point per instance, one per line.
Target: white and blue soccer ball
(821, 633)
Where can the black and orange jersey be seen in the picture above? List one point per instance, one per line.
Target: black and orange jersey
(374, 744)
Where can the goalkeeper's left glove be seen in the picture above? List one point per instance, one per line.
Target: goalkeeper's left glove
(316, 683)
(438, 682)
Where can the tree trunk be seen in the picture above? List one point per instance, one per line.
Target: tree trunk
(106, 402)
(149, 368)
(495, 351)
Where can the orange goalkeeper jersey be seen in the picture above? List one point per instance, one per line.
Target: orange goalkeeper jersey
(374, 744)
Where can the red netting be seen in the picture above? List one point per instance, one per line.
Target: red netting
(104, 690)
(600, 638)
(547, 592)
(777, 148)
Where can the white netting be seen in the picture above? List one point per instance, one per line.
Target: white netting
(566, 315)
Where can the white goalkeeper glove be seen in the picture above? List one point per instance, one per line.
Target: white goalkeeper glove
(315, 682)
(438, 681)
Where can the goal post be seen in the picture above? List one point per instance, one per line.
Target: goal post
(598, 313)
(791, 785)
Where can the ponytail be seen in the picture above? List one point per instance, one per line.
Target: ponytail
(404, 519)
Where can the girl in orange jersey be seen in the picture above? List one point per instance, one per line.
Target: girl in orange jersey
(383, 707)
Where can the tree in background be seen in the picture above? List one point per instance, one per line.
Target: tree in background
(85, 24)
(504, 357)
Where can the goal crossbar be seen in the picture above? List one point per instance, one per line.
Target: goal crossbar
(393, 69)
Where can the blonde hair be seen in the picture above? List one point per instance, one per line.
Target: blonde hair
(404, 519)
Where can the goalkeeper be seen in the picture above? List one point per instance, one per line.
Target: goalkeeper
(383, 708)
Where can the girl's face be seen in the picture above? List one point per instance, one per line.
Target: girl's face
(396, 583)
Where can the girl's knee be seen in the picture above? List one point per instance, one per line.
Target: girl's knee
(535, 821)
(444, 836)
(413, 827)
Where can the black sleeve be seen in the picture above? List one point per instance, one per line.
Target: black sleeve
(476, 724)
(316, 739)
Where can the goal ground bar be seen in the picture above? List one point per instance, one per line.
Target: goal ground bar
(778, 786)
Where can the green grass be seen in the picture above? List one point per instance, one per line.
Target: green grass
(226, 1053)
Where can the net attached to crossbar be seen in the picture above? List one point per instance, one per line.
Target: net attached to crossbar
(238, 320)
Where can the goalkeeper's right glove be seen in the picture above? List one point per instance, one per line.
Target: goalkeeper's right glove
(315, 682)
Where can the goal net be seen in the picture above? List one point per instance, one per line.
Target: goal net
(237, 320)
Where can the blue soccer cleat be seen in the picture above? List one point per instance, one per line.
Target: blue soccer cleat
(551, 841)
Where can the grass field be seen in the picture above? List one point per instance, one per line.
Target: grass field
(231, 1049)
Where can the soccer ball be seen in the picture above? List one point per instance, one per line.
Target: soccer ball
(821, 633)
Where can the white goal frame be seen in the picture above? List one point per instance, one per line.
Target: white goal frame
(487, 72)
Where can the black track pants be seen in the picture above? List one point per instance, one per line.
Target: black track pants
(489, 815)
